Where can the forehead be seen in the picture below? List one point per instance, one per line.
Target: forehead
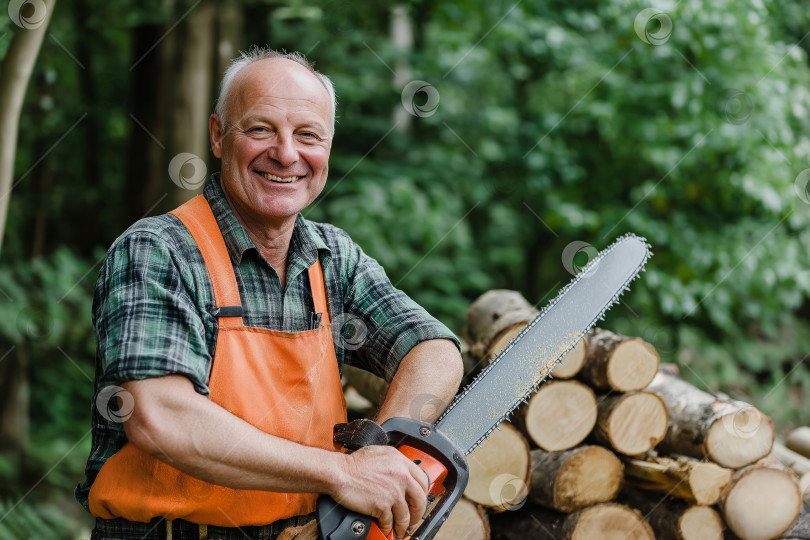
(280, 85)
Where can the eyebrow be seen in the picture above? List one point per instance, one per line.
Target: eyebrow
(308, 124)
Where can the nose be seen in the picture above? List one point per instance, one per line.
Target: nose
(283, 150)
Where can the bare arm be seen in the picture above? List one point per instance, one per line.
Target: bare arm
(425, 383)
(175, 424)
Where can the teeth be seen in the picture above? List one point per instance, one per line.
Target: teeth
(275, 178)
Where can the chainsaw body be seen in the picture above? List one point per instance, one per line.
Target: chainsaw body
(442, 461)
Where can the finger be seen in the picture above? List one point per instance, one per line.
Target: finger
(386, 522)
(402, 518)
(417, 502)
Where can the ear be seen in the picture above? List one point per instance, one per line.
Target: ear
(216, 131)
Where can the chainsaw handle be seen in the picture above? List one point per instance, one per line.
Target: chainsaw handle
(442, 461)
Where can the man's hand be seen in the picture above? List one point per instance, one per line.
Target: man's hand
(381, 482)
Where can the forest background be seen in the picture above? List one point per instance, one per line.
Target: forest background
(480, 144)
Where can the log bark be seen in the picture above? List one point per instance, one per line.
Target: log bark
(497, 317)
(800, 529)
(632, 424)
(575, 479)
(605, 521)
(467, 521)
(499, 470)
(790, 459)
(697, 482)
(673, 519)
(798, 440)
(762, 502)
(616, 362)
(559, 415)
(732, 434)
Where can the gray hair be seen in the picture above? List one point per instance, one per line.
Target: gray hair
(256, 54)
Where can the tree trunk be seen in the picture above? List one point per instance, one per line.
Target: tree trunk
(673, 519)
(402, 39)
(763, 501)
(15, 73)
(559, 416)
(698, 482)
(733, 434)
(632, 424)
(192, 101)
(574, 479)
(499, 470)
(14, 397)
(616, 362)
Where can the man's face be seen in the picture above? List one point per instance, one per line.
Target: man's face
(275, 148)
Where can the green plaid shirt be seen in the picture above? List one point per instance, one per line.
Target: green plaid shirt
(153, 302)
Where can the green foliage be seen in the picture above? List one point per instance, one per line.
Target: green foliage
(556, 123)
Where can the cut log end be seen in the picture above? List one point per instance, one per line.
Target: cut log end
(591, 475)
(609, 521)
(762, 503)
(467, 521)
(707, 481)
(701, 523)
(637, 423)
(633, 365)
(560, 415)
(740, 438)
(499, 470)
(571, 362)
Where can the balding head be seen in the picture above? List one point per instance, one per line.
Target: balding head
(258, 54)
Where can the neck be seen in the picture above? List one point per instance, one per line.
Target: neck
(272, 237)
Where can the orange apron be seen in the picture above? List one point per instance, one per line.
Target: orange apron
(284, 383)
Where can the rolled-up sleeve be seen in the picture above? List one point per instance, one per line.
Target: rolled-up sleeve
(145, 319)
(381, 324)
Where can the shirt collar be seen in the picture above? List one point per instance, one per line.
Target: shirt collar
(305, 245)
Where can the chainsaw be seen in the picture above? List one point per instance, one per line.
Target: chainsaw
(440, 449)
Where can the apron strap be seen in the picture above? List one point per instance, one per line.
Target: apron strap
(198, 218)
(318, 286)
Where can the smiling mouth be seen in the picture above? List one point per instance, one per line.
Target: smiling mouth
(279, 179)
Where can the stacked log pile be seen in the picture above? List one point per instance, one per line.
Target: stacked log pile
(616, 446)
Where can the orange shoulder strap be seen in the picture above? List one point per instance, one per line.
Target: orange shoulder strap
(198, 218)
(318, 286)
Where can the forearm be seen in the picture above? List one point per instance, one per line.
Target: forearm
(425, 383)
(200, 438)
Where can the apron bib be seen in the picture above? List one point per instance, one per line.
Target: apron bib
(286, 384)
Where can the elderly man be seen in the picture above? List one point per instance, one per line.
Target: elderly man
(213, 329)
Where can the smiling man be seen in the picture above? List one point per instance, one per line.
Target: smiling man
(213, 322)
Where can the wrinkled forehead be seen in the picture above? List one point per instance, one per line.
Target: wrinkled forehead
(278, 83)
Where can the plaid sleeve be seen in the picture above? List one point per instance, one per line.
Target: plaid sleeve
(381, 324)
(146, 320)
